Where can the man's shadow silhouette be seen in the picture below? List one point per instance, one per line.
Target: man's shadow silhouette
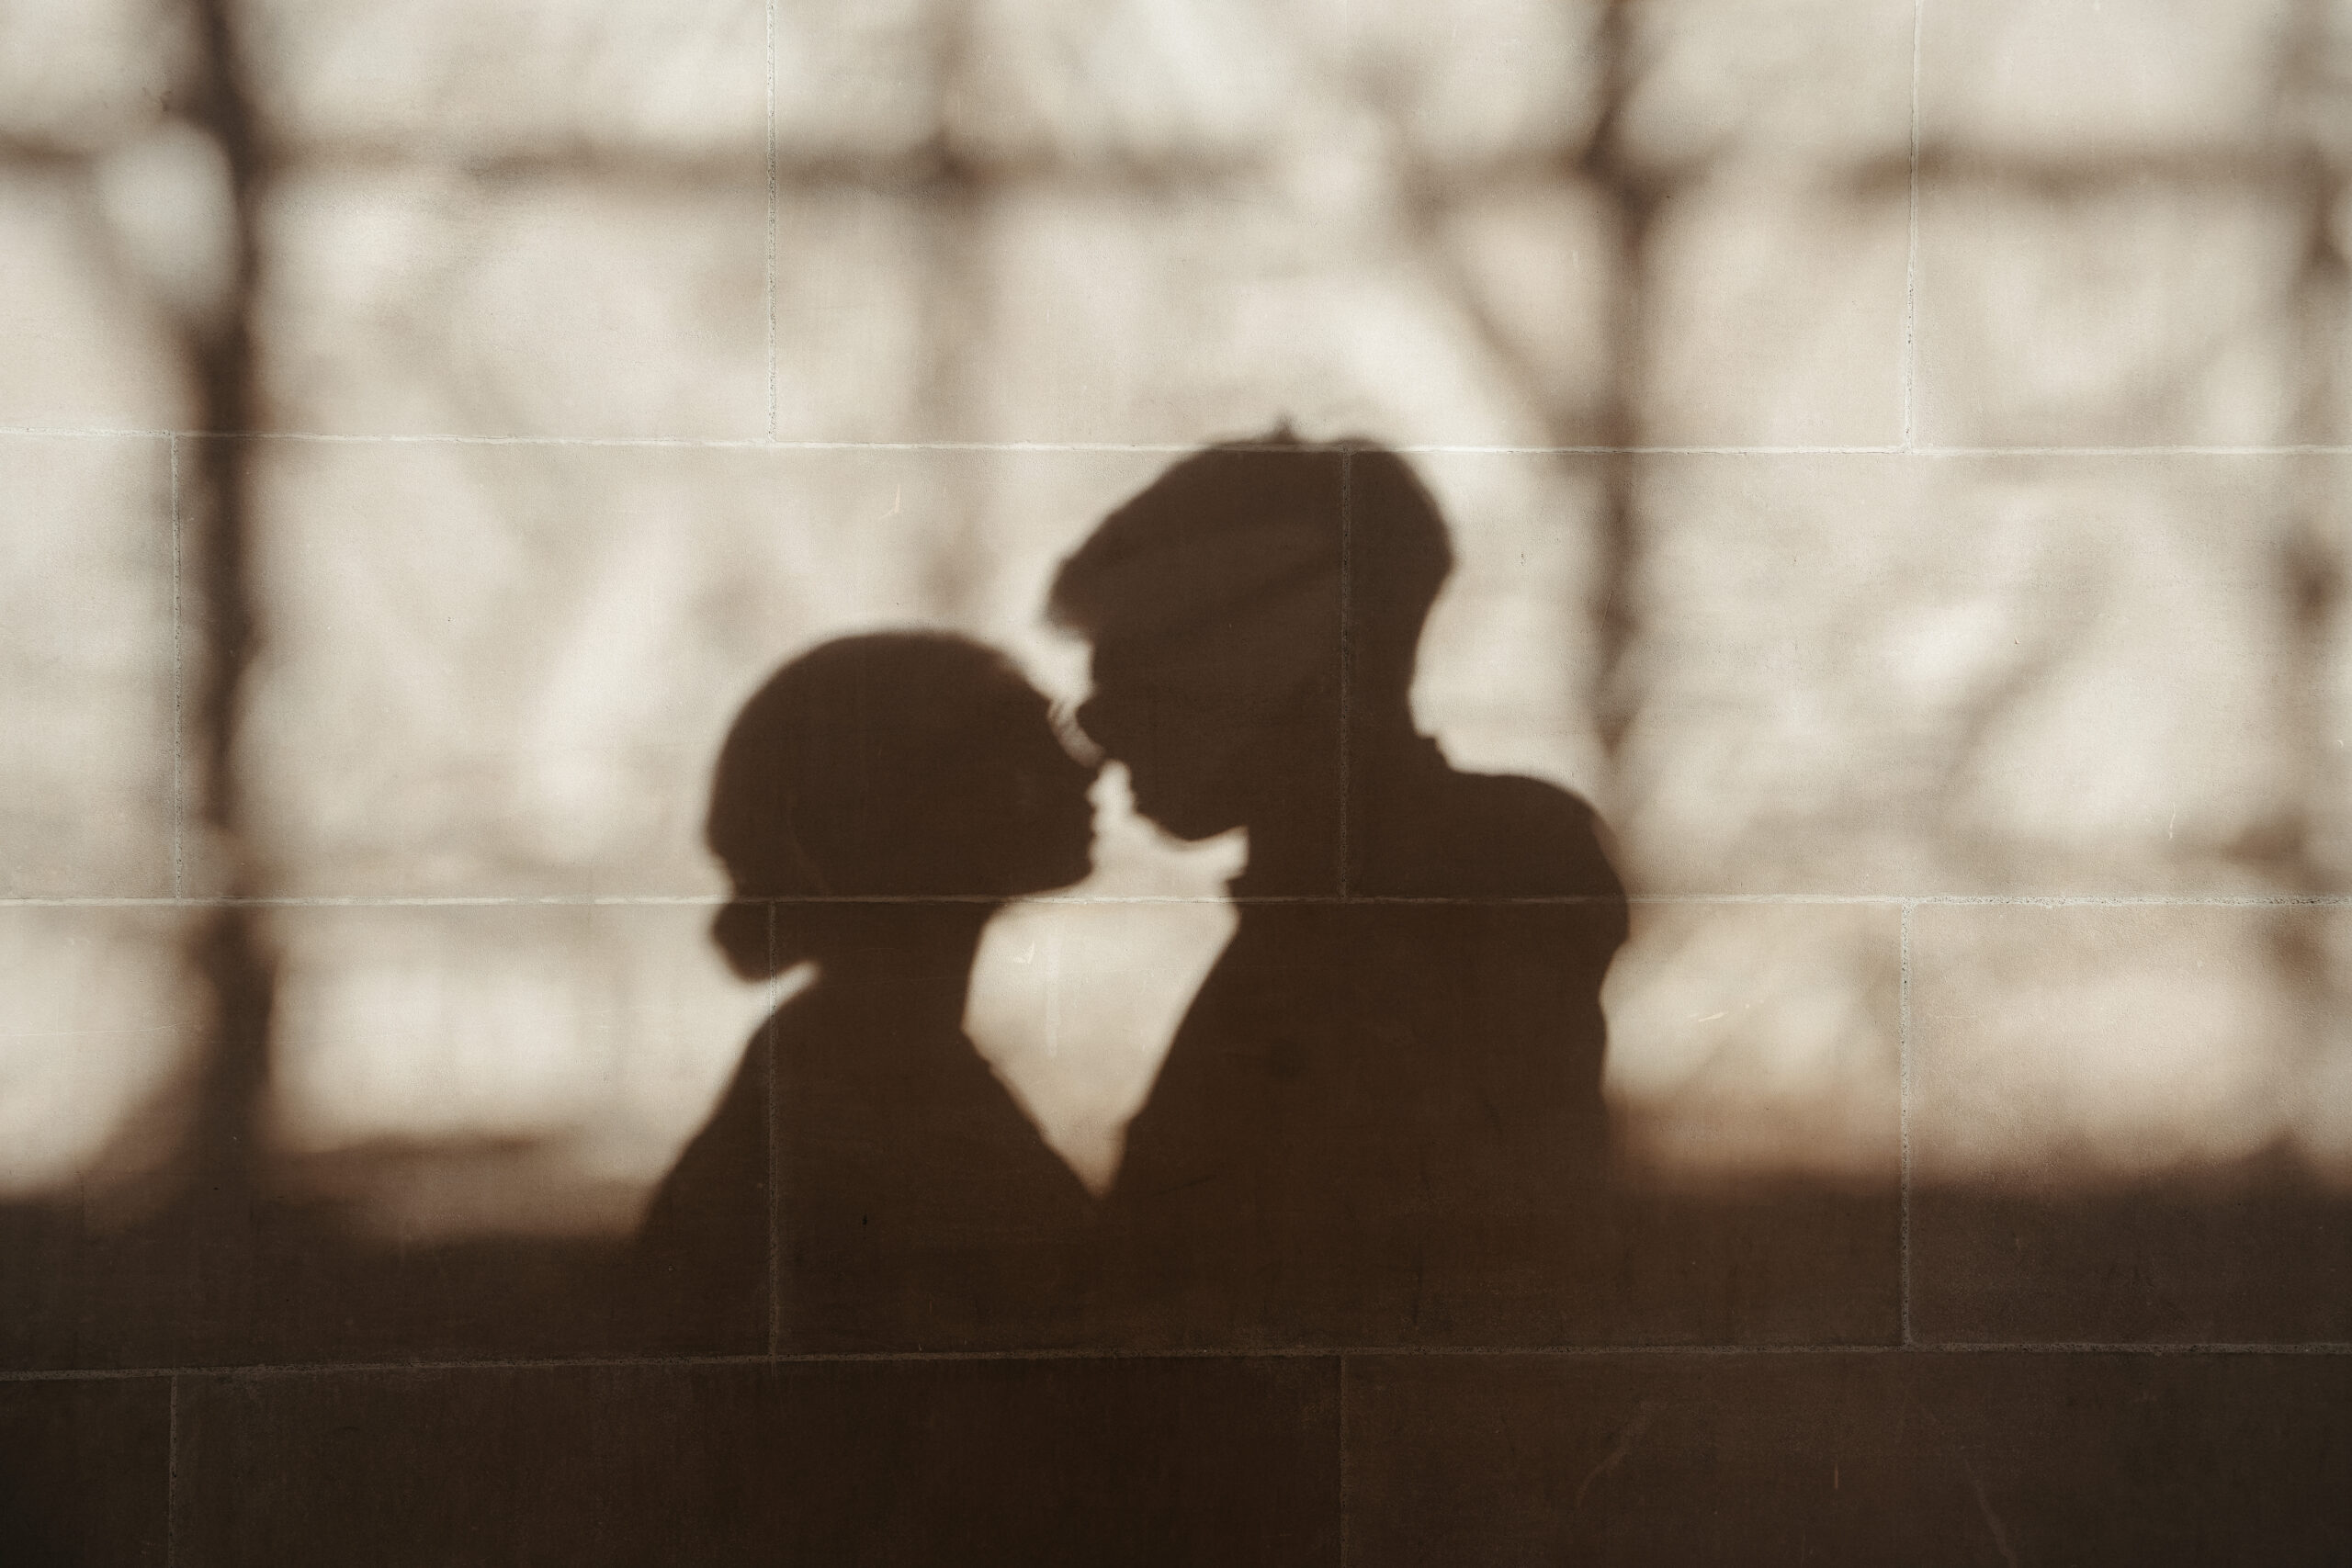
(873, 804)
(1381, 1120)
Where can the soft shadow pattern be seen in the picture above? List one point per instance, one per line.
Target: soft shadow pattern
(1382, 1119)
(873, 805)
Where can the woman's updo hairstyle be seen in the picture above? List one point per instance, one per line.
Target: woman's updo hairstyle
(872, 766)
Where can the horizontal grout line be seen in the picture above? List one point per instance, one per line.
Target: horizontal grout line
(1280, 1353)
(715, 900)
(83, 433)
(761, 443)
(2301, 449)
(2029, 900)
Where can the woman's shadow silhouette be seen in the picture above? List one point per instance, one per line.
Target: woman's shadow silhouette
(874, 803)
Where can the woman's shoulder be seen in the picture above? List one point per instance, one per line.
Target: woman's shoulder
(722, 1174)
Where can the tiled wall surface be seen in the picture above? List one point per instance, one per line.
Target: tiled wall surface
(1895, 451)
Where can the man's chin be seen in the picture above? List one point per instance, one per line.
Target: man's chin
(1190, 827)
(1187, 814)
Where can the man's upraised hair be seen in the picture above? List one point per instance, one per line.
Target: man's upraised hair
(1246, 520)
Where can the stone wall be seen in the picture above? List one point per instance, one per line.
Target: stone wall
(1896, 452)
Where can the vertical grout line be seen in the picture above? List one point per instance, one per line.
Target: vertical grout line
(770, 272)
(1345, 1501)
(172, 1475)
(1911, 257)
(767, 1047)
(1347, 708)
(1904, 1114)
(1054, 989)
(179, 691)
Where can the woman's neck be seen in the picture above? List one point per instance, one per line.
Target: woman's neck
(910, 963)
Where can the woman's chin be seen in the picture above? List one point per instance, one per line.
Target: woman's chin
(1055, 874)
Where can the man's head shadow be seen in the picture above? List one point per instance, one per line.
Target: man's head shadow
(1254, 614)
(890, 771)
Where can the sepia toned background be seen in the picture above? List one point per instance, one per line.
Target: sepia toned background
(1896, 453)
(1895, 469)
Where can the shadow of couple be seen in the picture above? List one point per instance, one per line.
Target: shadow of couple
(1381, 1116)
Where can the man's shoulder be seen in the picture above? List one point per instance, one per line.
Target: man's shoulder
(1501, 835)
(1545, 839)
